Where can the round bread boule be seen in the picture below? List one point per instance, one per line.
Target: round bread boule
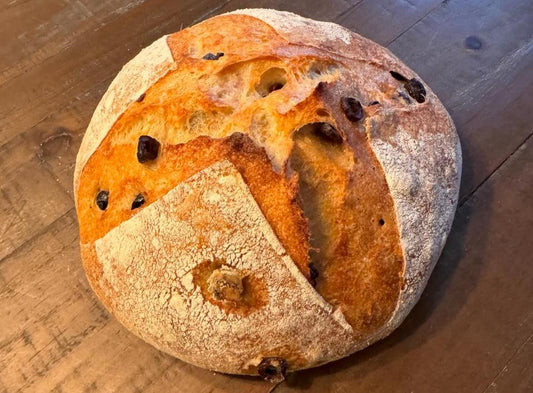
(263, 192)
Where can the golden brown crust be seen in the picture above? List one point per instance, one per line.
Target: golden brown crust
(114, 168)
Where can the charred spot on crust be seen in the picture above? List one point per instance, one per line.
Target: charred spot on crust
(137, 202)
(416, 90)
(327, 132)
(313, 274)
(102, 199)
(212, 56)
(147, 148)
(352, 109)
(272, 369)
(141, 97)
(398, 76)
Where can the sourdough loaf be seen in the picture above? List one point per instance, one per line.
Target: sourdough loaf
(263, 192)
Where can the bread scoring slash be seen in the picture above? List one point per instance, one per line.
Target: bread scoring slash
(262, 193)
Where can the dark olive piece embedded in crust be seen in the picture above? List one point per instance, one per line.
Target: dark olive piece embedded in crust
(416, 90)
(352, 109)
(137, 202)
(272, 369)
(414, 87)
(211, 56)
(398, 76)
(102, 199)
(147, 148)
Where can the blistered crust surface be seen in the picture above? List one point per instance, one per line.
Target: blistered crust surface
(148, 264)
(133, 80)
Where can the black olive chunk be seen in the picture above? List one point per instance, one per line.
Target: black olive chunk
(373, 103)
(398, 76)
(211, 56)
(138, 201)
(102, 199)
(416, 90)
(352, 108)
(272, 369)
(147, 148)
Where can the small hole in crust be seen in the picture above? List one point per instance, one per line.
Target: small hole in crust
(381, 222)
(272, 369)
(272, 79)
(322, 112)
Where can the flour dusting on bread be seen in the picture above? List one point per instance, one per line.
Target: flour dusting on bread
(156, 293)
(131, 82)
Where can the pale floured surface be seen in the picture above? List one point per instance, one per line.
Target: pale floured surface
(134, 79)
(423, 170)
(285, 23)
(148, 263)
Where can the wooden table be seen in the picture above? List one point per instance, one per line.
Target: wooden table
(472, 331)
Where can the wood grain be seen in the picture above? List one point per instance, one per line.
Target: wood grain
(31, 197)
(86, 66)
(317, 9)
(471, 331)
(389, 17)
(517, 374)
